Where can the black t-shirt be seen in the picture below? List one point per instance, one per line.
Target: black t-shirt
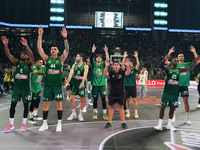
(89, 76)
(116, 83)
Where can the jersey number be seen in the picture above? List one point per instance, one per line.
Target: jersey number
(53, 65)
(174, 76)
(21, 70)
(59, 96)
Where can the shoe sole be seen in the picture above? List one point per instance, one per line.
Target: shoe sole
(9, 130)
(42, 130)
(23, 130)
(31, 122)
(160, 129)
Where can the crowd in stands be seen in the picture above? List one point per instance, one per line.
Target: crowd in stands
(151, 51)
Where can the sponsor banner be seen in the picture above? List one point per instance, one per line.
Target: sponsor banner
(153, 83)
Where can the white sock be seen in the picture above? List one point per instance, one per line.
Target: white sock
(44, 121)
(95, 110)
(12, 120)
(136, 111)
(30, 115)
(81, 111)
(24, 120)
(73, 111)
(128, 111)
(160, 122)
(104, 111)
(187, 115)
(67, 96)
(169, 122)
(35, 112)
(59, 121)
(123, 122)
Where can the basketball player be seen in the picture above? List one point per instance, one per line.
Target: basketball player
(53, 79)
(21, 81)
(79, 71)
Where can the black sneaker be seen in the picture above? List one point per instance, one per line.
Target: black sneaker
(108, 125)
(124, 125)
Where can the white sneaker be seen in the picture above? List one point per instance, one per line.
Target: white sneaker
(171, 127)
(179, 103)
(188, 122)
(174, 119)
(198, 106)
(80, 117)
(158, 127)
(84, 109)
(59, 127)
(72, 116)
(43, 127)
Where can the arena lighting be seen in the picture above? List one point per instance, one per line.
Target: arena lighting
(160, 5)
(57, 1)
(160, 13)
(137, 29)
(22, 25)
(160, 28)
(184, 30)
(57, 18)
(56, 25)
(57, 10)
(78, 27)
(160, 22)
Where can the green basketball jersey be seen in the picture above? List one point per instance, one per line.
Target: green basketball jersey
(36, 80)
(98, 77)
(184, 79)
(130, 80)
(53, 72)
(22, 76)
(78, 73)
(171, 83)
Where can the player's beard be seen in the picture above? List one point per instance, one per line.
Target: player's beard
(23, 59)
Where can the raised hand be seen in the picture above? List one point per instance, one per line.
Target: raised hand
(192, 49)
(24, 41)
(107, 63)
(4, 40)
(105, 48)
(64, 32)
(127, 62)
(94, 48)
(125, 54)
(135, 54)
(40, 30)
(171, 50)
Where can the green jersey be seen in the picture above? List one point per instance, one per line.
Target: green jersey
(98, 77)
(36, 80)
(171, 83)
(78, 73)
(53, 72)
(130, 80)
(22, 76)
(184, 79)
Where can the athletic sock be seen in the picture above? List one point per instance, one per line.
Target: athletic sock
(24, 120)
(128, 111)
(136, 111)
(12, 120)
(35, 112)
(104, 111)
(95, 110)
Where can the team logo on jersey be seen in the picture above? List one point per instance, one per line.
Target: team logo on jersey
(120, 76)
(51, 71)
(49, 59)
(183, 73)
(20, 76)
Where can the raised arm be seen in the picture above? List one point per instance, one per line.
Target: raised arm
(66, 50)
(93, 53)
(137, 60)
(30, 53)
(70, 76)
(124, 59)
(84, 76)
(197, 59)
(7, 51)
(106, 68)
(106, 52)
(39, 44)
(193, 50)
(167, 62)
(127, 67)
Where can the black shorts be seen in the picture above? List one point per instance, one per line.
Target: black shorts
(131, 91)
(69, 87)
(116, 99)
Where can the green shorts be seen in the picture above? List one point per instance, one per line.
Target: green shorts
(171, 100)
(24, 94)
(36, 96)
(98, 89)
(53, 92)
(78, 91)
(184, 91)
